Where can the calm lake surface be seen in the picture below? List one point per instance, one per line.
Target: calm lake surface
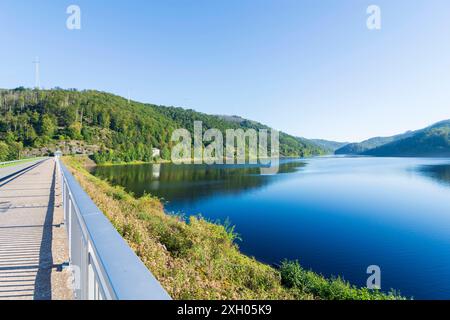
(336, 215)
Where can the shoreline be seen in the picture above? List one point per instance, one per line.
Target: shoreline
(196, 248)
(161, 161)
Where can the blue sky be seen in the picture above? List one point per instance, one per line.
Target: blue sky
(310, 68)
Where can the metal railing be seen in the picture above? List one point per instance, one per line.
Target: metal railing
(104, 267)
(9, 162)
(21, 161)
(16, 168)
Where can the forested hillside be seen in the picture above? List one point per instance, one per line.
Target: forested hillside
(433, 141)
(117, 130)
(430, 142)
(289, 145)
(361, 147)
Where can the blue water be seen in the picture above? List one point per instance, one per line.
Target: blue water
(335, 215)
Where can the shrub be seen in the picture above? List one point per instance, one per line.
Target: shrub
(295, 277)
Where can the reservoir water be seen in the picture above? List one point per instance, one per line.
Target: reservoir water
(336, 215)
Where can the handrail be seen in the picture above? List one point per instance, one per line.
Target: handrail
(9, 172)
(104, 267)
(21, 160)
(9, 162)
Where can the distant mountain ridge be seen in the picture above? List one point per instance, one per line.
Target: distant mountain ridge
(331, 146)
(361, 147)
(432, 141)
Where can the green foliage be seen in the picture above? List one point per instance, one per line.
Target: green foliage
(124, 131)
(10, 150)
(74, 131)
(4, 151)
(295, 277)
(48, 126)
(289, 145)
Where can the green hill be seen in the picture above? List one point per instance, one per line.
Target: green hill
(433, 141)
(361, 147)
(113, 130)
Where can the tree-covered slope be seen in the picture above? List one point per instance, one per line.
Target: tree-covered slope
(289, 145)
(361, 147)
(430, 142)
(119, 130)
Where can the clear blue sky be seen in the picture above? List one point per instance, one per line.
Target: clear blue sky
(308, 67)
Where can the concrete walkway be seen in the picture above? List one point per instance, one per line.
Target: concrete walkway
(32, 243)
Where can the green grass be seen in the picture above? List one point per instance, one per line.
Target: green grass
(295, 277)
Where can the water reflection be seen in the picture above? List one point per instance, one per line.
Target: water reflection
(336, 215)
(439, 173)
(189, 183)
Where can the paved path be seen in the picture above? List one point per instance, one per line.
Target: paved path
(31, 244)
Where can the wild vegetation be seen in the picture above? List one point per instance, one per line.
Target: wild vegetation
(198, 259)
(118, 130)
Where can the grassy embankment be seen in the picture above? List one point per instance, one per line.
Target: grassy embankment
(199, 259)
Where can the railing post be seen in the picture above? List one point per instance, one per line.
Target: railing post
(63, 201)
(69, 229)
(104, 266)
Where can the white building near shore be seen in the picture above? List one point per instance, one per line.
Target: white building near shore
(156, 153)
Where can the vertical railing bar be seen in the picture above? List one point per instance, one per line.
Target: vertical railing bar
(94, 282)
